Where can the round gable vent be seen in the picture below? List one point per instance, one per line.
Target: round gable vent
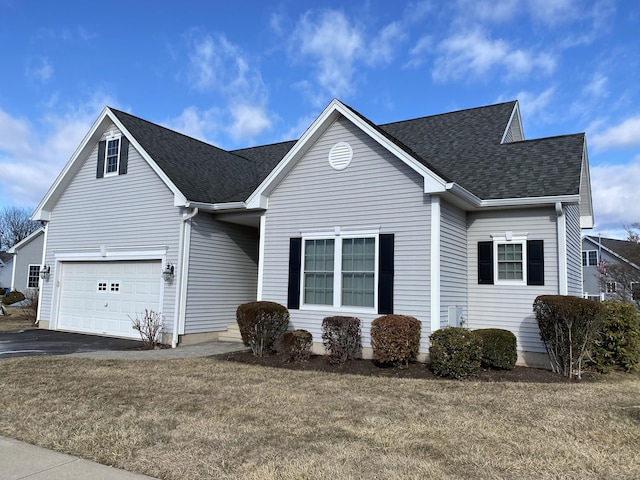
(340, 156)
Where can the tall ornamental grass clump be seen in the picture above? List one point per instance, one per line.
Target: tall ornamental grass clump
(261, 324)
(568, 328)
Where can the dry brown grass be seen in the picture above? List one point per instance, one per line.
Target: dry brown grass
(18, 318)
(206, 418)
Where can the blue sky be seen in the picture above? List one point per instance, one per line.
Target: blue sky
(242, 73)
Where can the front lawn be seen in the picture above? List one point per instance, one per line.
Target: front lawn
(207, 418)
(17, 318)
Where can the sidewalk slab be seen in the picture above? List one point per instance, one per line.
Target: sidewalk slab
(21, 460)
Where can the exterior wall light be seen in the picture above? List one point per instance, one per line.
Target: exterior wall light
(44, 272)
(168, 272)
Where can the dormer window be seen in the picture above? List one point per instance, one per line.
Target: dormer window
(113, 155)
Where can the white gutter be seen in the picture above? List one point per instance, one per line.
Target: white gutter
(563, 286)
(217, 207)
(182, 269)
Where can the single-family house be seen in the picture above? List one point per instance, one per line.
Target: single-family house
(455, 219)
(609, 271)
(27, 260)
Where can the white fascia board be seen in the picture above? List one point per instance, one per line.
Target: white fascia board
(218, 207)
(179, 200)
(529, 201)
(258, 199)
(586, 199)
(26, 240)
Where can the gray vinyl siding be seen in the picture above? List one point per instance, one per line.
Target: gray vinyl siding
(510, 306)
(591, 275)
(453, 260)
(132, 210)
(376, 190)
(29, 254)
(574, 250)
(223, 273)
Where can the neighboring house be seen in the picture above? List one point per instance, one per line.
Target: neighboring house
(6, 270)
(454, 219)
(27, 260)
(608, 272)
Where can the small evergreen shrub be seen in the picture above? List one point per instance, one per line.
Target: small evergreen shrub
(341, 337)
(12, 297)
(261, 324)
(455, 352)
(395, 339)
(568, 327)
(296, 345)
(499, 348)
(617, 345)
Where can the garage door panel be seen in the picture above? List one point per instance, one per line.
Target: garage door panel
(100, 297)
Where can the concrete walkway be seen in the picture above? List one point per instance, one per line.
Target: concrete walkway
(19, 460)
(186, 351)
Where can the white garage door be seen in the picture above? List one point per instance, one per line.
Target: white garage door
(99, 297)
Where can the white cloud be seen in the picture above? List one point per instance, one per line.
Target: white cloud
(597, 87)
(623, 135)
(533, 104)
(382, 48)
(39, 70)
(614, 186)
(200, 124)
(474, 53)
(329, 41)
(489, 10)
(248, 121)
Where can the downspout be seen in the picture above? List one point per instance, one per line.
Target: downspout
(183, 275)
(563, 288)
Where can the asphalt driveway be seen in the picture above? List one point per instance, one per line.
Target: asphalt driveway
(48, 342)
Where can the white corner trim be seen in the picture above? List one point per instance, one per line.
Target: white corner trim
(435, 264)
(563, 283)
(261, 253)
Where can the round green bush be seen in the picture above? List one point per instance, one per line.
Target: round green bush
(395, 339)
(617, 345)
(12, 297)
(261, 324)
(455, 352)
(499, 348)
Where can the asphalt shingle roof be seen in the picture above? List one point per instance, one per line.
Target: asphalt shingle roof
(462, 147)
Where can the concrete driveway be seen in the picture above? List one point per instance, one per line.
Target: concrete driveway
(47, 342)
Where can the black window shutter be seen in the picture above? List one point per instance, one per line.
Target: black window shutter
(295, 260)
(485, 263)
(535, 262)
(124, 155)
(102, 146)
(385, 275)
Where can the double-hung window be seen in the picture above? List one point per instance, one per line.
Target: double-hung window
(112, 156)
(510, 261)
(340, 271)
(589, 258)
(33, 280)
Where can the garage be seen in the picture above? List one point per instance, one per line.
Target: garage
(100, 297)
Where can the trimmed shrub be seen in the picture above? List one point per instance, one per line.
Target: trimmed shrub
(568, 327)
(261, 325)
(499, 348)
(455, 352)
(395, 339)
(617, 345)
(296, 345)
(12, 297)
(341, 338)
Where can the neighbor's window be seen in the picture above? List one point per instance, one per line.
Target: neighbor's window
(318, 271)
(510, 258)
(611, 287)
(33, 280)
(113, 153)
(589, 258)
(635, 290)
(340, 272)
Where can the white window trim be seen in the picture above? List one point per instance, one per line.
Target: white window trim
(508, 238)
(29, 274)
(613, 289)
(106, 155)
(337, 235)
(586, 256)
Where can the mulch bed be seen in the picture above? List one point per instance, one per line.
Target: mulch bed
(319, 363)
